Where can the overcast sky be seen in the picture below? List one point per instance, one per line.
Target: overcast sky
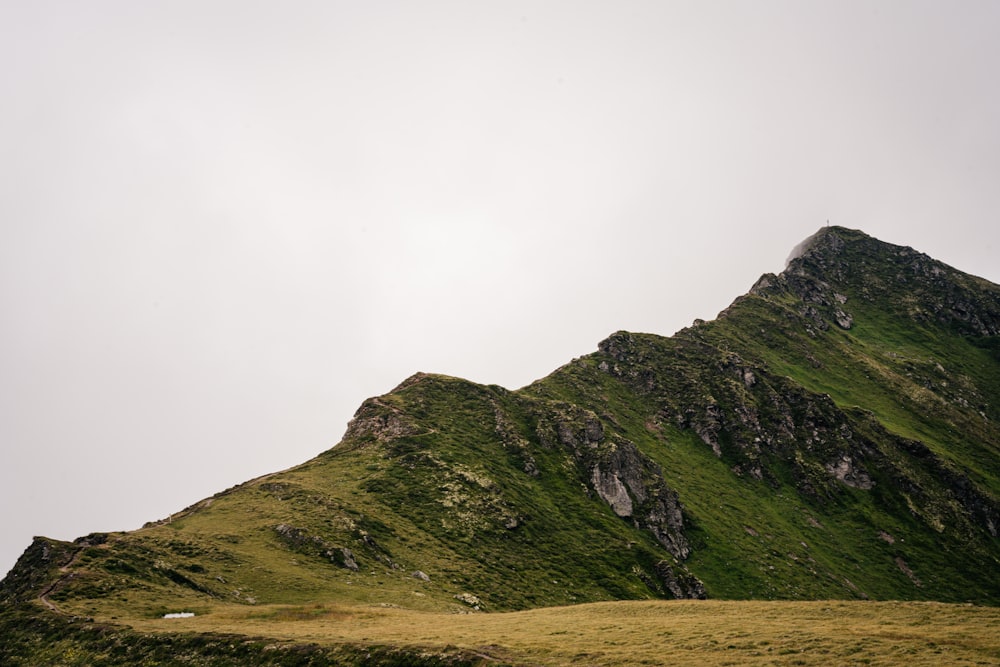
(224, 224)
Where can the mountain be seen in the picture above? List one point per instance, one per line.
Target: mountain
(834, 433)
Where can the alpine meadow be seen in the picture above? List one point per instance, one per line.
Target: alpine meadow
(811, 478)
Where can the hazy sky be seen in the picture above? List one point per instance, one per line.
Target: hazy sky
(224, 224)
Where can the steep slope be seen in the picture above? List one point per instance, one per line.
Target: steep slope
(833, 434)
(853, 403)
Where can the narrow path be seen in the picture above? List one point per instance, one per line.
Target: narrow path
(67, 574)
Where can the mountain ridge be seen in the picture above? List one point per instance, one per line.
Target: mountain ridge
(831, 434)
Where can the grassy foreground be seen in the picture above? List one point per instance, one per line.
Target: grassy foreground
(641, 632)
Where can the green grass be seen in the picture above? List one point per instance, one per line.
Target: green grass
(810, 462)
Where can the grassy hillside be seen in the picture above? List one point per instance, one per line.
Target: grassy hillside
(832, 435)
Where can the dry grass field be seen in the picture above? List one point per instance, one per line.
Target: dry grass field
(642, 633)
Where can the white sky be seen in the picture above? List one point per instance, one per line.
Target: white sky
(224, 224)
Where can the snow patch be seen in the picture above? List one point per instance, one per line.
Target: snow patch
(179, 614)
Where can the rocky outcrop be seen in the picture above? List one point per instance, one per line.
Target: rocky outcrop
(844, 470)
(633, 485)
(680, 583)
(302, 541)
(378, 421)
(627, 480)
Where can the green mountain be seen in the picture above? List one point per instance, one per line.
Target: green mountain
(834, 433)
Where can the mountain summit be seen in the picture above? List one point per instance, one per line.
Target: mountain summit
(832, 434)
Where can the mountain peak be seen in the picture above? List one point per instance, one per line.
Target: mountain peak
(838, 252)
(837, 265)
